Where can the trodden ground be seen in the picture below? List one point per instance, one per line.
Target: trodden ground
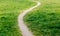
(24, 29)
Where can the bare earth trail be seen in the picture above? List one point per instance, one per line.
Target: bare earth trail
(23, 28)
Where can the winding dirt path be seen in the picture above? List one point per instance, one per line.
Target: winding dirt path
(23, 28)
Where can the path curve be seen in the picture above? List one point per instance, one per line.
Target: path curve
(23, 28)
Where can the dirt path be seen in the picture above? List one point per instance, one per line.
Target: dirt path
(23, 28)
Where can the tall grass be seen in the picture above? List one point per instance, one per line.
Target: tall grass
(9, 11)
(44, 20)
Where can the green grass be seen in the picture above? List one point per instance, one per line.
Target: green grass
(44, 20)
(9, 11)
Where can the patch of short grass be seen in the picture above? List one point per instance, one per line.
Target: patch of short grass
(9, 11)
(44, 20)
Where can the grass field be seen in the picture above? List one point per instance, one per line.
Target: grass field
(9, 11)
(44, 20)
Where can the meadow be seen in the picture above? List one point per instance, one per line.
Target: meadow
(44, 20)
(9, 11)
